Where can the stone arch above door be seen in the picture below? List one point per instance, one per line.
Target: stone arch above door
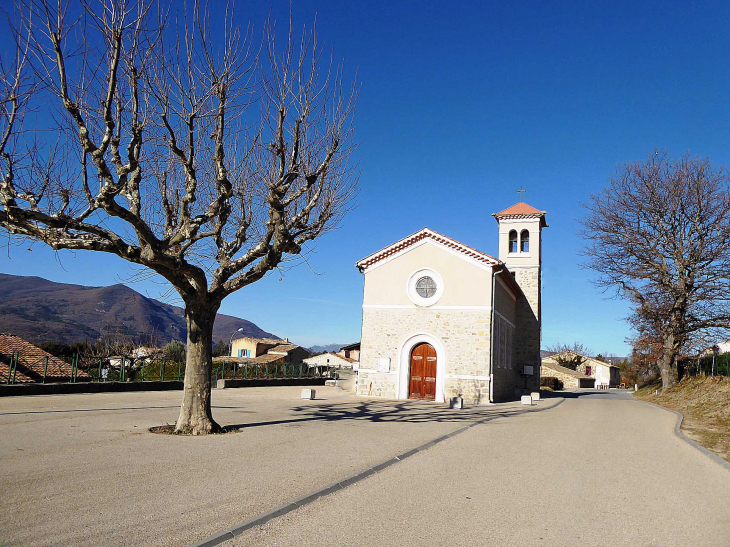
(404, 363)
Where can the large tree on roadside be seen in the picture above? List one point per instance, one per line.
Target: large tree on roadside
(659, 235)
(176, 141)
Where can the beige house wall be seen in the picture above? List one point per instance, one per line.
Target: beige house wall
(328, 359)
(602, 372)
(353, 354)
(245, 343)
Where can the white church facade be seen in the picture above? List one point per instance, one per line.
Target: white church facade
(441, 319)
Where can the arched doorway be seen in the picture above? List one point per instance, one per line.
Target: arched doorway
(422, 384)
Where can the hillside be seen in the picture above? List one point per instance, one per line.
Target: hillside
(39, 310)
(705, 403)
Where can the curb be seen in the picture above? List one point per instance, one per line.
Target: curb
(678, 432)
(231, 533)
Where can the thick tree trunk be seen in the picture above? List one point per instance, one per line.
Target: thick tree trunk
(668, 363)
(195, 414)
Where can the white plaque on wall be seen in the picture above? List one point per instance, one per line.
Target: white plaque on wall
(383, 364)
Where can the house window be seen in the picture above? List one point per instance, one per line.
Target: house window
(513, 241)
(525, 241)
(244, 353)
(589, 371)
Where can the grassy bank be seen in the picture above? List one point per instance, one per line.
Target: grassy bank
(705, 403)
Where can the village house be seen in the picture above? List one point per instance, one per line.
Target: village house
(330, 359)
(569, 378)
(265, 351)
(350, 351)
(441, 319)
(589, 372)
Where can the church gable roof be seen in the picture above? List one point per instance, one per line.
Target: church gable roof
(426, 235)
(521, 210)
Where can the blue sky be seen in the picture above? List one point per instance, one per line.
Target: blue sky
(463, 103)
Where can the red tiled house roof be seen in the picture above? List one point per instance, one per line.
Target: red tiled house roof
(32, 362)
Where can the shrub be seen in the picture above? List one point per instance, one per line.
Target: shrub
(553, 383)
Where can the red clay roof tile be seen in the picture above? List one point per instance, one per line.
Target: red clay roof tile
(32, 362)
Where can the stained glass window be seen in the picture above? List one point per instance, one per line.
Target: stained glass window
(426, 287)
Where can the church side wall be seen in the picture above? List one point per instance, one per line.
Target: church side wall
(506, 375)
(528, 324)
(463, 334)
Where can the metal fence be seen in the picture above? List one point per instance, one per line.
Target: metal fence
(19, 368)
(710, 365)
(16, 369)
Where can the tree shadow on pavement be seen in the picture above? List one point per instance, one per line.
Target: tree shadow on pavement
(393, 412)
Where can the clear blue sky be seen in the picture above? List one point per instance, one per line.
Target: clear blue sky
(464, 102)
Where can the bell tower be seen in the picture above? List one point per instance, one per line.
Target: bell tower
(520, 248)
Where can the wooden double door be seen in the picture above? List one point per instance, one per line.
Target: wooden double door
(423, 373)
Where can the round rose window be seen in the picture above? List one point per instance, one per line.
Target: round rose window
(426, 287)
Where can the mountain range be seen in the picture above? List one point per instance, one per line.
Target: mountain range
(325, 348)
(39, 310)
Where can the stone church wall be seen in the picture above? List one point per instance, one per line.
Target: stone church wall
(464, 334)
(528, 325)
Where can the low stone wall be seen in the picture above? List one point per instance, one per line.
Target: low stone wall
(570, 382)
(86, 387)
(225, 384)
(376, 384)
(16, 390)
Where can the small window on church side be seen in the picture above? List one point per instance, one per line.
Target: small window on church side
(426, 287)
(513, 241)
(525, 241)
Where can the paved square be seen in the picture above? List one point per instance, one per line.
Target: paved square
(596, 468)
(83, 469)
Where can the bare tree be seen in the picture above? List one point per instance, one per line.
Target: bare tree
(176, 142)
(659, 235)
(575, 347)
(569, 355)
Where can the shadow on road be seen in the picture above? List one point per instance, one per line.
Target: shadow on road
(394, 412)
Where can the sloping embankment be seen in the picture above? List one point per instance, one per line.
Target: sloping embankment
(705, 403)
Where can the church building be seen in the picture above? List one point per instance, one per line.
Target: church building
(441, 319)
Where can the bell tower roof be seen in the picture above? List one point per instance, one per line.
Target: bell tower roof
(522, 210)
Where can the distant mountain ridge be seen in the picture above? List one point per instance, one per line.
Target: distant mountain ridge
(328, 347)
(39, 310)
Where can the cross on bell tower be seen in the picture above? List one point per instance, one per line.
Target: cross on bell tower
(520, 192)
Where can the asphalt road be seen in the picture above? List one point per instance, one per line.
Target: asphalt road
(599, 469)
